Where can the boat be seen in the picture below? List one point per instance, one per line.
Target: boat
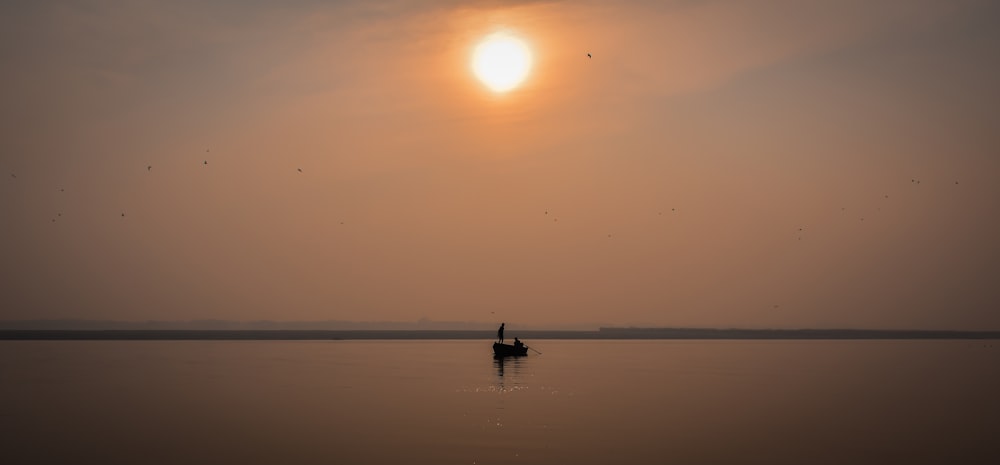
(508, 350)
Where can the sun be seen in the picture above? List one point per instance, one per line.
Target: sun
(501, 61)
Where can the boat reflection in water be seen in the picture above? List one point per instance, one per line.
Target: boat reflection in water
(511, 362)
(509, 373)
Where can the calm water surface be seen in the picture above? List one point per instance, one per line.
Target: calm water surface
(450, 402)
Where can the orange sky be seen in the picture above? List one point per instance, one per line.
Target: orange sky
(701, 137)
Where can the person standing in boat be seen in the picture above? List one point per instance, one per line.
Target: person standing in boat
(500, 334)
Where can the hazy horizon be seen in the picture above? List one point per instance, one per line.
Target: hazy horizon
(422, 325)
(278, 324)
(774, 164)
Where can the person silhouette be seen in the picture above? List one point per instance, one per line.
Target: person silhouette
(517, 343)
(500, 334)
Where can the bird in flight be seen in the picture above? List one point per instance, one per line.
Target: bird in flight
(149, 168)
(590, 56)
(300, 170)
(206, 162)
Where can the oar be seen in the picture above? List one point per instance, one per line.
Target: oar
(539, 353)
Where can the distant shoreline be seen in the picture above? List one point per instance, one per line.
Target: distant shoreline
(602, 333)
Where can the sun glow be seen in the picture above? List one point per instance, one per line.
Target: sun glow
(501, 61)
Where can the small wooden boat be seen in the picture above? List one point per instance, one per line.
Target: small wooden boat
(508, 350)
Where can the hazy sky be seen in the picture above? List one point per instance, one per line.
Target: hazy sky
(729, 148)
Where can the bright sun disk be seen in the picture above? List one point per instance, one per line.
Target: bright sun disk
(501, 62)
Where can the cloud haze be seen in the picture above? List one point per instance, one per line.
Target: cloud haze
(716, 163)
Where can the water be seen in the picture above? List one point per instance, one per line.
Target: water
(449, 402)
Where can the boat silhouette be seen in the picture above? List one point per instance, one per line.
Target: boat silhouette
(509, 350)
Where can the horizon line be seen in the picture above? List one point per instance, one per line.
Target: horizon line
(421, 324)
(452, 334)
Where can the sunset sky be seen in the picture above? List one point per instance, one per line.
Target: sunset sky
(715, 163)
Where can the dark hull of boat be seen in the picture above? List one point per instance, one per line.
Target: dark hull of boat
(507, 350)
